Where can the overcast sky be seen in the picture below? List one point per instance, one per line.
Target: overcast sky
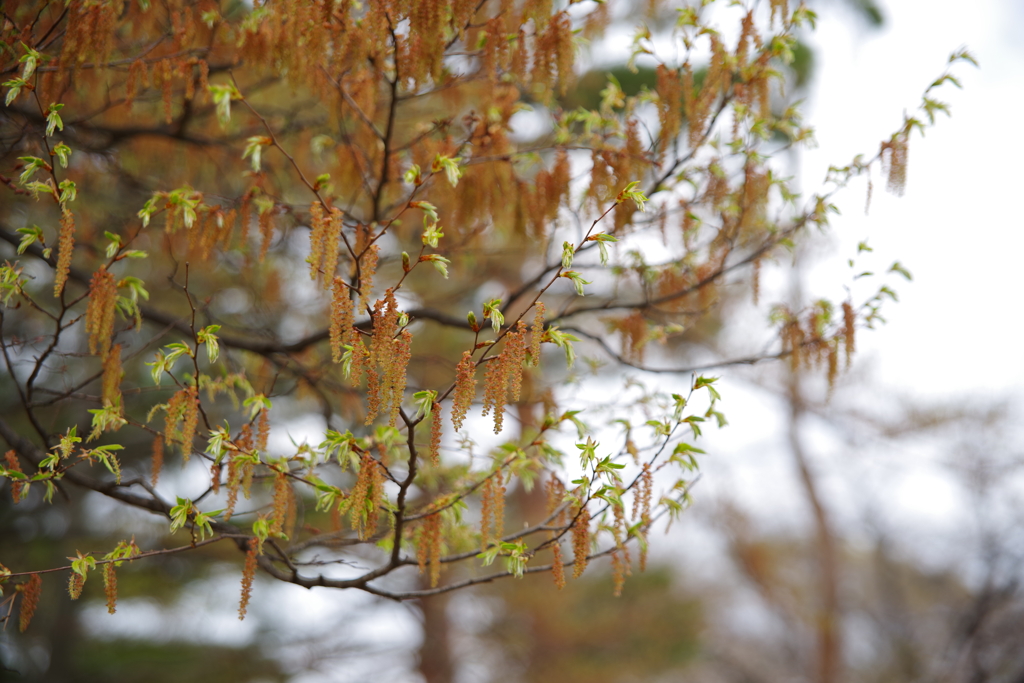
(958, 229)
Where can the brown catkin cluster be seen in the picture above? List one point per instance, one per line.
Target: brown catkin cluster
(896, 163)
(396, 375)
(248, 575)
(234, 482)
(367, 270)
(519, 64)
(263, 429)
(833, 364)
(555, 496)
(495, 48)
(436, 426)
(282, 500)
(647, 483)
(719, 77)
(503, 379)
(390, 353)
(110, 586)
(634, 333)
(112, 375)
(360, 357)
(266, 210)
(138, 74)
(30, 592)
(849, 331)
(421, 537)
(90, 30)
(428, 23)
(428, 547)
(642, 495)
(670, 104)
(465, 389)
(183, 407)
(342, 320)
(620, 556)
(536, 333)
(99, 316)
(367, 496)
(792, 342)
(240, 470)
(332, 241)
(65, 248)
(166, 75)
(216, 472)
(157, 460)
(601, 181)
(496, 389)
(248, 468)
(553, 53)
(754, 198)
(780, 8)
(557, 565)
(747, 32)
(213, 227)
(551, 190)
(492, 509)
(75, 585)
(324, 240)
(620, 569)
(580, 541)
(755, 281)
(18, 488)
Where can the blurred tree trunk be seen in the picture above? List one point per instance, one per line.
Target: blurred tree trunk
(828, 617)
(435, 658)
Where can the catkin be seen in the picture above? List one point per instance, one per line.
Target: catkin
(465, 389)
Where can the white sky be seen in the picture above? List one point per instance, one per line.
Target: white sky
(957, 328)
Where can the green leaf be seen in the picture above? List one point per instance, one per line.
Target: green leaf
(179, 513)
(15, 85)
(69, 191)
(62, 152)
(492, 311)
(588, 451)
(432, 234)
(428, 209)
(82, 564)
(32, 164)
(222, 96)
(413, 176)
(254, 148)
(30, 234)
(115, 243)
(570, 415)
(636, 196)
(703, 382)
(53, 120)
(257, 404)
(898, 267)
(577, 281)
(215, 444)
(441, 264)
(207, 336)
(424, 402)
(562, 340)
(450, 166)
